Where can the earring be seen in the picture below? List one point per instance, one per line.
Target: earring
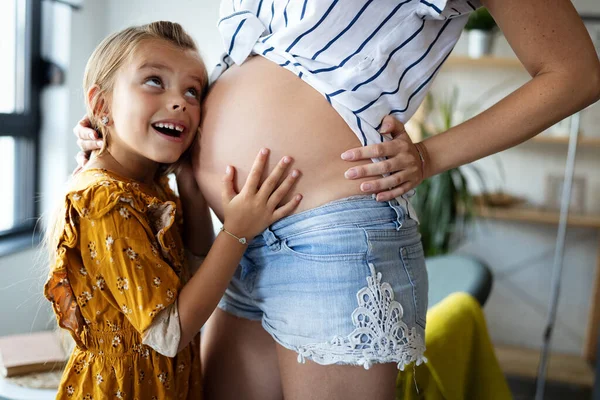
(104, 120)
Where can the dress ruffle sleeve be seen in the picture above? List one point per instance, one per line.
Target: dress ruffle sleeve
(119, 235)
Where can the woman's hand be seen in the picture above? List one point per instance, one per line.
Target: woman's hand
(248, 213)
(88, 140)
(403, 163)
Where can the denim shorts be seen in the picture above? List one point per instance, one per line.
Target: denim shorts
(343, 283)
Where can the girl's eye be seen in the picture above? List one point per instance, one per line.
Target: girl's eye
(154, 81)
(192, 92)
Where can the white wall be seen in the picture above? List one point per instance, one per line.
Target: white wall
(198, 18)
(519, 254)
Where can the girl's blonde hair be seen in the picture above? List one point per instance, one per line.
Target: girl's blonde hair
(100, 71)
(112, 53)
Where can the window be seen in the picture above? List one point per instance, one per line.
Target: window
(20, 22)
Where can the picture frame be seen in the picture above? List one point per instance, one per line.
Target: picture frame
(553, 193)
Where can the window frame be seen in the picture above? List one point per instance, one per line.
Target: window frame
(26, 124)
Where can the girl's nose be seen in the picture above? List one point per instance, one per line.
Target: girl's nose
(178, 106)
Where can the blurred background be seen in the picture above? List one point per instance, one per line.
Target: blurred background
(513, 197)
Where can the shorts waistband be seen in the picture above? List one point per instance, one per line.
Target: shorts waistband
(359, 209)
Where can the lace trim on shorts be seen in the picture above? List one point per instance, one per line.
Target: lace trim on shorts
(380, 335)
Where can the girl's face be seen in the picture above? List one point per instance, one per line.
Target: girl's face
(155, 103)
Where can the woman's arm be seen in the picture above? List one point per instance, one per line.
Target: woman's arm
(551, 41)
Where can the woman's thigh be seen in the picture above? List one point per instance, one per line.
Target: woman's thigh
(239, 360)
(311, 381)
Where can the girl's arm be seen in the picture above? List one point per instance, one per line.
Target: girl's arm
(198, 232)
(551, 41)
(245, 215)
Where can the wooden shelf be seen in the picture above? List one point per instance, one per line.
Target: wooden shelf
(487, 61)
(582, 141)
(524, 214)
(518, 361)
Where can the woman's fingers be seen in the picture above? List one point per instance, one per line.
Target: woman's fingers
(267, 187)
(389, 182)
(386, 149)
(395, 192)
(88, 138)
(81, 159)
(251, 185)
(383, 167)
(228, 192)
(283, 189)
(89, 145)
(287, 208)
(392, 126)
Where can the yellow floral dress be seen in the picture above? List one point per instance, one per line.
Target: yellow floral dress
(119, 262)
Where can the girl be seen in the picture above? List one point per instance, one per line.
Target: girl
(119, 281)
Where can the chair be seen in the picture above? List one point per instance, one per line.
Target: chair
(458, 273)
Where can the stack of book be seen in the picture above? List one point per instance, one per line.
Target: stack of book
(31, 352)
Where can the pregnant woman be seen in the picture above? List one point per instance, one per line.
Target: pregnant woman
(329, 302)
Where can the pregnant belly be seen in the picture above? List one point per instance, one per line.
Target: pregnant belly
(260, 104)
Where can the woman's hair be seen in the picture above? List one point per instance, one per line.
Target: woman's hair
(112, 53)
(101, 70)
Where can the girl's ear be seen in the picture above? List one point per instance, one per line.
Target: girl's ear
(98, 102)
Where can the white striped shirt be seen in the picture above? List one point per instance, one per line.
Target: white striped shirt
(368, 58)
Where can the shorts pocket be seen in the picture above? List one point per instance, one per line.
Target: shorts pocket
(413, 261)
(346, 243)
(399, 256)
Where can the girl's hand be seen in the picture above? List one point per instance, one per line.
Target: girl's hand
(87, 140)
(403, 163)
(255, 208)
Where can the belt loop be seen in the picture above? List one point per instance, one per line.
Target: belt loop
(400, 213)
(271, 240)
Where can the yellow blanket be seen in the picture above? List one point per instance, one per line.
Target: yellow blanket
(462, 364)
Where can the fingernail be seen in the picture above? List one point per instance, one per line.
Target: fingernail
(299, 197)
(385, 127)
(295, 174)
(228, 170)
(365, 187)
(264, 151)
(348, 155)
(99, 143)
(286, 160)
(351, 173)
(92, 136)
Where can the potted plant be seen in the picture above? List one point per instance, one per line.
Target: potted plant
(443, 202)
(480, 28)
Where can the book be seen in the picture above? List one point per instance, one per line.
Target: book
(31, 352)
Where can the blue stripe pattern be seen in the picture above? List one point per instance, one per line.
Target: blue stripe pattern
(366, 106)
(303, 10)
(233, 15)
(368, 58)
(234, 35)
(295, 42)
(285, 13)
(272, 16)
(432, 6)
(362, 10)
(363, 44)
